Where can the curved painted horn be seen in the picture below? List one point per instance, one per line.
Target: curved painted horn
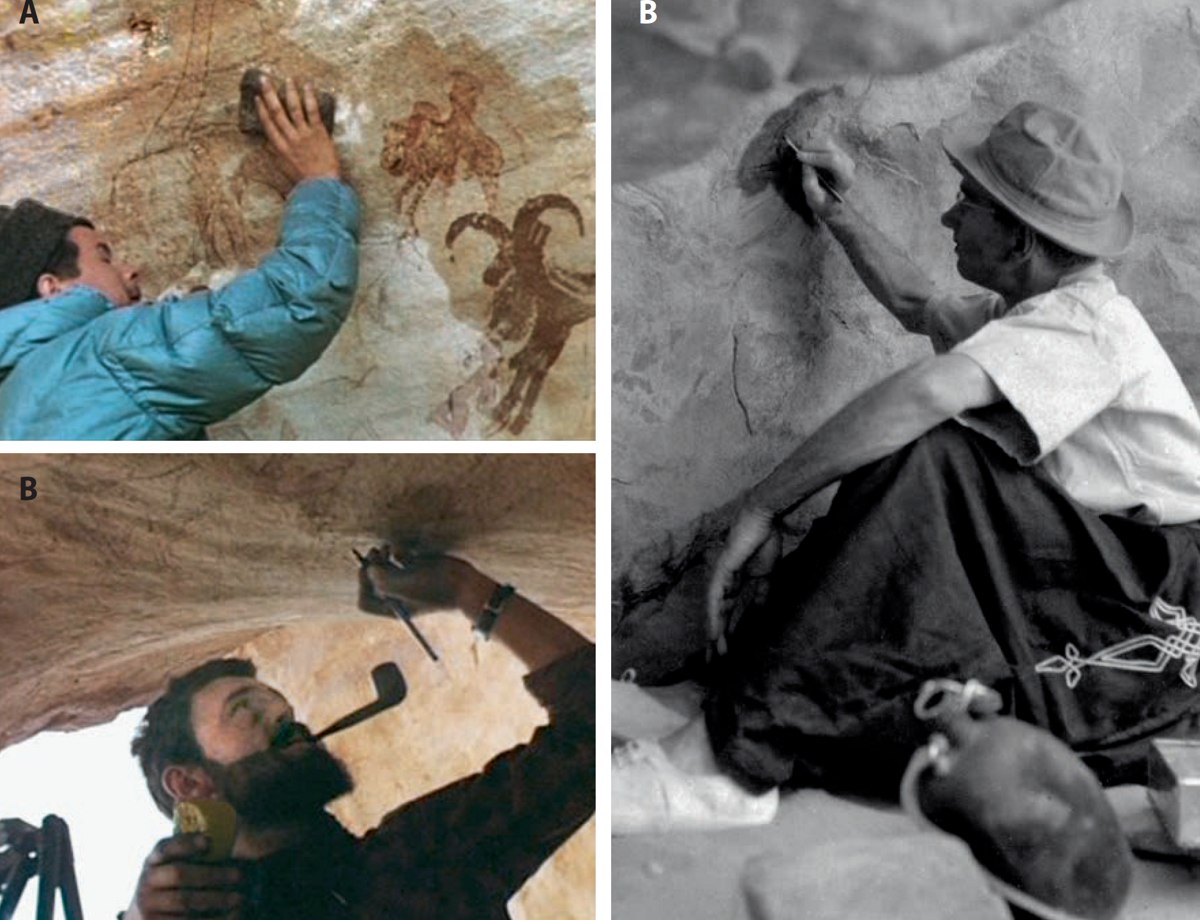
(477, 220)
(532, 209)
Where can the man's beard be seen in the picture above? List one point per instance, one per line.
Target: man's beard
(282, 786)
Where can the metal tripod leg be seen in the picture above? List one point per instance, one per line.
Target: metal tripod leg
(22, 871)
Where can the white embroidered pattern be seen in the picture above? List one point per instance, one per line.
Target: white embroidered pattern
(1124, 656)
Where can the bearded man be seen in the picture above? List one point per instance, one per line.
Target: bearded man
(1021, 508)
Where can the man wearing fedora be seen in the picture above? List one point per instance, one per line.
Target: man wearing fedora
(81, 357)
(1015, 508)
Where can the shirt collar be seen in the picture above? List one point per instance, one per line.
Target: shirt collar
(1091, 271)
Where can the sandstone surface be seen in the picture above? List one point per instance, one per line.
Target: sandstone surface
(679, 80)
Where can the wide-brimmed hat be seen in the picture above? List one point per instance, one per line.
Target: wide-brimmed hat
(30, 232)
(1054, 172)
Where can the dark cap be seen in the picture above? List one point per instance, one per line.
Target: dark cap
(30, 232)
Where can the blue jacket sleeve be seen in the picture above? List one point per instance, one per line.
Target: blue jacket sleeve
(196, 360)
(27, 327)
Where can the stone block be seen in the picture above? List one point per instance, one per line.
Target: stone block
(914, 877)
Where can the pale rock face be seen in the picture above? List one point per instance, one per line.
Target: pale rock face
(738, 329)
(131, 118)
(127, 569)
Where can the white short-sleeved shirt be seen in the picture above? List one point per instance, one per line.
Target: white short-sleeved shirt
(1090, 394)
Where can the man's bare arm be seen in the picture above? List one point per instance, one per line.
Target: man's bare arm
(875, 424)
(891, 277)
(537, 636)
(888, 273)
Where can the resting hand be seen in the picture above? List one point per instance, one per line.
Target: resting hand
(433, 581)
(751, 550)
(172, 885)
(836, 170)
(297, 133)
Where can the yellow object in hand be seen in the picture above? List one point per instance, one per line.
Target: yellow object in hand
(212, 817)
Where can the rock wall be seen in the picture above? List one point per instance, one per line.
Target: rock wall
(738, 329)
(128, 568)
(128, 113)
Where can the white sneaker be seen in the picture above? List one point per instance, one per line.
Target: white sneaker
(651, 795)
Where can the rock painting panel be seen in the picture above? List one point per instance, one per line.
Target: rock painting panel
(184, 147)
(134, 121)
(533, 309)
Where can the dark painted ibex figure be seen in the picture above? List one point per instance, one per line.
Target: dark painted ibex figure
(534, 304)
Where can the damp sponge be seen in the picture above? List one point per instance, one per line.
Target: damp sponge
(251, 86)
(212, 817)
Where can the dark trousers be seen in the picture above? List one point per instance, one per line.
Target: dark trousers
(948, 559)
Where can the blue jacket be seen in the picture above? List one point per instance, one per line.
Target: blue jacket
(76, 367)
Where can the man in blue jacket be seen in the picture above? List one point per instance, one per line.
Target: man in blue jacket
(81, 358)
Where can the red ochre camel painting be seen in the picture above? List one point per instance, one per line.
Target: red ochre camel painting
(534, 308)
(431, 146)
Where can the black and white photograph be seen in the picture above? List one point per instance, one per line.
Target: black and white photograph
(905, 459)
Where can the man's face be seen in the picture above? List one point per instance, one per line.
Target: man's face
(260, 760)
(983, 237)
(100, 269)
(234, 717)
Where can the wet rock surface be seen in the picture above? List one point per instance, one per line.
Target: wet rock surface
(680, 80)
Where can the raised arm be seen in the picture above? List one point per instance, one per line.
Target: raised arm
(505, 821)
(535, 635)
(889, 274)
(194, 361)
